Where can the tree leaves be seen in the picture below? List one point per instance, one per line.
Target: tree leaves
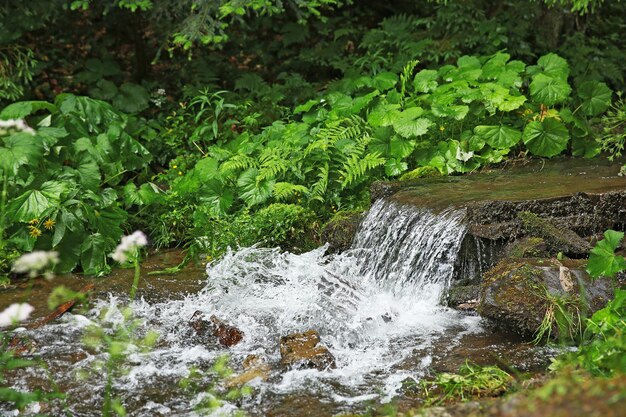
(547, 138)
(602, 260)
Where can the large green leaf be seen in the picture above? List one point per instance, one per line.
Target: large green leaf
(400, 147)
(498, 137)
(408, 123)
(131, 98)
(204, 170)
(19, 149)
(549, 90)
(385, 81)
(395, 167)
(602, 260)
(425, 81)
(547, 138)
(34, 203)
(554, 66)
(22, 109)
(382, 114)
(93, 257)
(254, 192)
(596, 97)
(219, 197)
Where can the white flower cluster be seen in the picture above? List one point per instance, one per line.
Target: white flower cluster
(16, 124)
(35, 262)
(128, 245)
(15, 313)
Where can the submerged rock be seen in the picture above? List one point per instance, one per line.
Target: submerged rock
(226, 334)
(519, 294)
(302, 350)
(254, 367)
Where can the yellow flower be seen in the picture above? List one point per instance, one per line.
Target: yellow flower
(49, 224)
(174, 166)
(442, 128)
(180, 173)
(33, 221)
(34, 231)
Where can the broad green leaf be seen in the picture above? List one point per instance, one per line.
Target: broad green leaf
(585, 147)
(395, 167)
(88, 173)
(19, 149)
(359, 103)
(408, 123)
(34, 203)
(596, 97)
(457, 111)
(549, 90)
(467, 61)
(104, 90)
(547, 138)
(425, 81)
(93, 257)
(204, 170)
(131, 98)
(22, 109)
(554, 66)
(385, 81)
(602, 260)
(382, 114)
(499, 137)
(400, 147)
(495, 66)
(108, 221)
(254, 192)
(303, 108)
(219, 197)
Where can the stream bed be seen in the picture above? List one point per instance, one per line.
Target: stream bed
(376, 307)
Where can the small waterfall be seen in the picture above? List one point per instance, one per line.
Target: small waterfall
(375, 306)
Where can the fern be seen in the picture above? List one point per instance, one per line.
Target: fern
(272, 163)
(284, 191)
(237, 162)
(321, 185)
(355, 168)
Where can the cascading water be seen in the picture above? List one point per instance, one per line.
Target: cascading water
(374, 306)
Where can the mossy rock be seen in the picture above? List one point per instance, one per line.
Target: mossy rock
(420, 172)
(518, 293)
(463, 294)
(527, 247)
(557, 239)
(339, 232)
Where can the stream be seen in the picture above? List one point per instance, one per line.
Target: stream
(376, 307)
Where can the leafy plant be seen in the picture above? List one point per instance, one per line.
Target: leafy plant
(67, 178)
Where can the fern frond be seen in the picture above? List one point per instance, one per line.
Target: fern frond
(355, 167)
(272, 164)
(237, 162)
(285, 190)
(321, 185)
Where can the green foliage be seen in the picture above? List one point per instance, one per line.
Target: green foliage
(470, 381)
(602, 260)
(613, 136)
(68, 178)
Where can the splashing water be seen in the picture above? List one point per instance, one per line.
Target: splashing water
(374, 307)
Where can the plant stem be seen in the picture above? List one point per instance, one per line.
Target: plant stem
(3, 204)
(133, 290)
(106, 407)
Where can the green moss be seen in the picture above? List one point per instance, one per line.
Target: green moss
(420, 172)
(528, 247)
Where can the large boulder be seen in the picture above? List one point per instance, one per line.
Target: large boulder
(520, 294)
(302, 350)
(556, 239)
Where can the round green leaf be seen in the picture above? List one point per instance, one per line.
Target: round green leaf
(547, 138)
(554, 66)
(549, 90)
(498, 137)
(596, 97)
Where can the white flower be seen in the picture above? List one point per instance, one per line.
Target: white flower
(15, 313)
(17, 124)
(129, 244)
(160, 91)
(463, 156)
(35, 262)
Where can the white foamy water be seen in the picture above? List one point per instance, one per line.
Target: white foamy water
(374, 307)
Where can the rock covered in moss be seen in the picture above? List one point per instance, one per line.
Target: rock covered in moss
(341, 229)
(420, 172)
(527, 247)
(557, 239)
(517, 294)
